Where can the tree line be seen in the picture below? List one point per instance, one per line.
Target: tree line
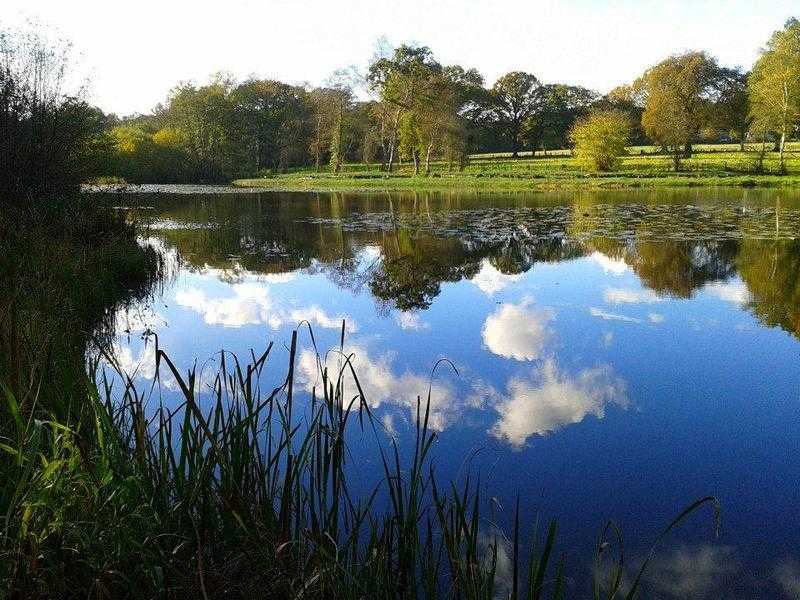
(407, 108)
(420, 110)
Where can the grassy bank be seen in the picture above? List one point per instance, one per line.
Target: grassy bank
(67, 266)
(244, 493)
(644, 167)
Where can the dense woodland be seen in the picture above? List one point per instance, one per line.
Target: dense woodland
(420, 111)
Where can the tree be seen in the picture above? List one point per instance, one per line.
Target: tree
(206, 116)
(408, 138)
(732, 110)
(340, 102)
(270, 121)
(48, 134)
(515, 98)
(679, 93)
(560, 106)
(775, 85)
(601, 138)
(333, 118)
(626, 99)
(442, 113)
(429, 106)
(133, 152)
(399, 80)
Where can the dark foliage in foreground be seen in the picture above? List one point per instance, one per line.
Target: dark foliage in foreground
(50, 140)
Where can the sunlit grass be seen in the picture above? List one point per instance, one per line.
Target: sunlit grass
(643, 167)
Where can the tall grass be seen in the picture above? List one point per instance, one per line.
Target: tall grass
(246, 494)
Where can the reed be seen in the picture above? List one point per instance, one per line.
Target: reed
(244, 493)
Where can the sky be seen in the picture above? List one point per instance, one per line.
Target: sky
(133, 53)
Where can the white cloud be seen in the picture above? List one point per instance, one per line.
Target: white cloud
(490, 280)
(316, 316)
(140, 366)
(370, 254)
(628, 296)
(517, 331)
(495, 547)
(735, 292)
(275, 278)
(410, 321)
(482, 36)
(237, 274)
(693, 572)
(615, 266)
(549, 400)
(251, 304)
(388, 425)
(787, 576)
(608, 316)
(382, 386)
(655, 318)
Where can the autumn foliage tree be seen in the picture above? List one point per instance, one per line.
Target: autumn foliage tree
(774, 86)
(679, 93)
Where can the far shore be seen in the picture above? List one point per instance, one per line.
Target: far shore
(326, 182)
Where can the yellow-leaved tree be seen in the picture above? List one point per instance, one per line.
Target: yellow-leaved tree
(600, 139)
(775, 86)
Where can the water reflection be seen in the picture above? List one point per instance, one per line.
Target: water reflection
(546, 400)
(617, 355)
(518, 331)
(698, 572)
(383, 383)
(403, 248)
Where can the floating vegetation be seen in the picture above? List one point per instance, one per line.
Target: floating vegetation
(614, 221)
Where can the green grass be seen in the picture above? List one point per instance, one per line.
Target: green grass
(644, 167)
(246, 494)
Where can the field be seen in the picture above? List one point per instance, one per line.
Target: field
(644, 167)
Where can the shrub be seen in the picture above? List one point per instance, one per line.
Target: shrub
(600, 139)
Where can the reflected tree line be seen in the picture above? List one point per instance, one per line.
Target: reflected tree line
(402, 253)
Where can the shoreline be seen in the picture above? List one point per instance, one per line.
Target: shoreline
(471, 183)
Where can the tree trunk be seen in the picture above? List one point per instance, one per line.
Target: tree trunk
(393, 140)
(390, 164)
(760, 163)
(687, 150)
(514, 131)
(428, 159)
(676, 158)
(782, 150)
(415, 156)
(318, 145)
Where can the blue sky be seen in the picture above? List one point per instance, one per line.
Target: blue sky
(134, 52)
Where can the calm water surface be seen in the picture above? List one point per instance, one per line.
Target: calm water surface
(619, 355)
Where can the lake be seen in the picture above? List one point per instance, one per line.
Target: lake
(612, 355)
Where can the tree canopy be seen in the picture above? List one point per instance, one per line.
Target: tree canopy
(407, 107)
(774, 85)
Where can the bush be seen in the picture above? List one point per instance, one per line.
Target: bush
(601, 139)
